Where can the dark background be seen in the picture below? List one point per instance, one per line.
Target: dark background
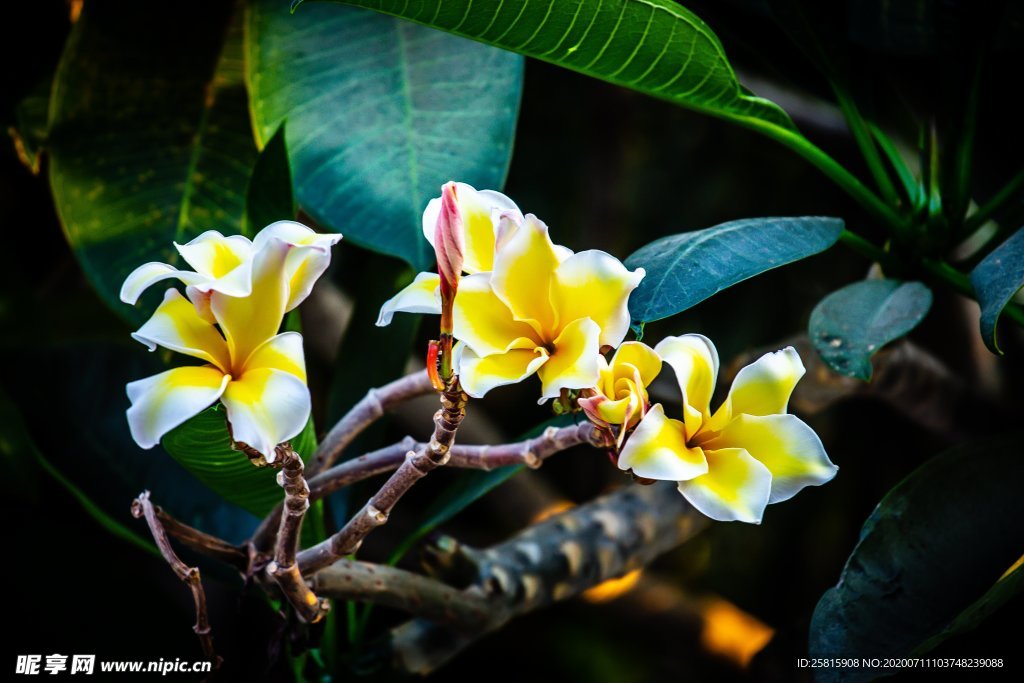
(605, 168)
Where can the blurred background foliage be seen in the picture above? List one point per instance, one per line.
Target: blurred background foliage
(606, 168)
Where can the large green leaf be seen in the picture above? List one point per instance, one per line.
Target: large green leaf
(269, 197)
(203, 447)
(655, 46)
(149, 138)
(937, 542)
(380, 114)
(684, 269)
(849, 325)
(996, 280)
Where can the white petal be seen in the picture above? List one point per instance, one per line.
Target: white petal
(149, 273)
(478, 375)
(423, 295)
(736, 487)
(162, 402)
(694, 360)
(266, 407)
(176, 325)
(596, 285)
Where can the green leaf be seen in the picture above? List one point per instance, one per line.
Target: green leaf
(936, 543)
(202, 446)
(996, 279)
(270, 197)
(654, 46)
(19, 453)
(150, 140)
(684, 269)
(849, 325)
(380, 114)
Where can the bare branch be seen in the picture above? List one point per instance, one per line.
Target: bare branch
(376, 510)
(202, 542)
(143, 507)
(283, 570)
(369, 409)
(555, 560)
(418, 595)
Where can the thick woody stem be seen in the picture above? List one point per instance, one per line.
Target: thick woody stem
(143, 507)
(392, 587)
(371, 408)
(376, 510)
(555, 560)
(283, 570)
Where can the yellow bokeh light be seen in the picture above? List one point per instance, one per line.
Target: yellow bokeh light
(730, 632)
(611, 589)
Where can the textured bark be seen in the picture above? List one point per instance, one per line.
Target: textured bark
(376, 510)
(284, 570)
(142, 507)
(418, 595)
(555, 560)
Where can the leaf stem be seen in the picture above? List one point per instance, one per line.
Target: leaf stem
(993, 205)
(862, 135)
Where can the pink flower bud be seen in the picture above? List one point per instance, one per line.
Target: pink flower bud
(449, 240)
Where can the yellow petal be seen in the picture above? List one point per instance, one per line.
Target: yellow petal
(523, 272)
(176, 325)
(483, 322)
(640, 356)
(303, 267)
(251, 320)
(422, 295)
(596, 285)
(162, 402)
(735, 488)
(478, 375)
(784, 444)
(657, 450)
(574, 360)
(266, 407)
(283, 352)
(150, 273)
(762, 388)
(480, 211)
(695, 361)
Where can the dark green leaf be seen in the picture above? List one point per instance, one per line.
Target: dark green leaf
(203, 447)
(936, 543)
(270, 197)
(655, 46)
(848, 326)
(380, 114)
(150, 139)
(684, 269)
(996, 279)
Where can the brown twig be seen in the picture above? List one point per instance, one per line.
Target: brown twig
(203, 542)
(376, 510)
(369, 409)
(283, 570)
(418, 595)
(555, 560)
(143, 507)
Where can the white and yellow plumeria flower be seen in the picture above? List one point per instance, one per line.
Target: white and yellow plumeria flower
(543, 309)
(224, 264)
(749, 453)
(620, 395)
(484, 216)
(258, 374)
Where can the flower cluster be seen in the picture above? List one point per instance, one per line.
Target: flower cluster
(229, 318)
(522, 305)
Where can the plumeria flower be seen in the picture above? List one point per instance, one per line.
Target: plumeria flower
(620, 396)
(542, 309)
(483, 216)
(749, 453)
(258, 374)
(224, 264)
